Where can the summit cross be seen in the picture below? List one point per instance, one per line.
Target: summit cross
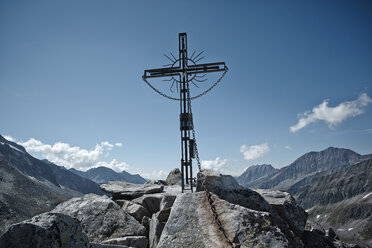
(182, 71)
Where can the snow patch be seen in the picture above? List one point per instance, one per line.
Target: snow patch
(367, 195)
(15, 148)
(341, 229)
(32, 178)
(318, 216)
(351, 228)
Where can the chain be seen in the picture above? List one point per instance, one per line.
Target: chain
(209, 195)
(158, 91)
(214, 85)
(192, 98)
(216, 217)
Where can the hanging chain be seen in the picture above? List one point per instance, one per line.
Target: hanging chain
(193, 132)
(209, 195)
(192, 98)
(158, 91)
(214, 85)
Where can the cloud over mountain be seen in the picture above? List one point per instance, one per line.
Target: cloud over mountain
(216, 164)
(255, 151)
(333, 115)
(64, 154)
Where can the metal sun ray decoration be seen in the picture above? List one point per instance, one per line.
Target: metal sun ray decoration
(180, 72)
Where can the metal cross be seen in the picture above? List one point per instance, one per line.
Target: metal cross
(186, 70)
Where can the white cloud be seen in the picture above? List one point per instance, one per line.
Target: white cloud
(114, 164)
(155, 174)
(7, 137)
(255, 151)
(118, 144)
(216, 164)
(73, 156)
(333, 115)
(287, 147)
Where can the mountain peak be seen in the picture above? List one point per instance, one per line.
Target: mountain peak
(13, 144)
(103, 174)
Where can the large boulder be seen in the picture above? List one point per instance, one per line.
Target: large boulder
(287, 208)
(47, 230)
(101, 217)
(124, 190)
(225, 187)
(191, 224)
(174, 177)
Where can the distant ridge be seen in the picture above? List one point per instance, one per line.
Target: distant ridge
(255, 173)
(310, 164)
(42, 170)
(104, 175)
(335, 185)
(29, 186)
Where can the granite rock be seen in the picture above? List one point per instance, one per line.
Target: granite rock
(101, 218)
(174, 177)
(287, 208)
(124, 190)
(47, 230)
(225, 187)
(191, 224)
(156, 229)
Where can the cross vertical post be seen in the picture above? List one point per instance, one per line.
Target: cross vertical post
(186, 72)
(186, 123)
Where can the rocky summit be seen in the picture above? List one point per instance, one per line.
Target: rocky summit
(221, 213)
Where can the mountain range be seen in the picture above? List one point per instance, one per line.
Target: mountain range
(29, 186)
(104, 175)
(334, 185)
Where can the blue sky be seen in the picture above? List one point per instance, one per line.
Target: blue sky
(71, 88)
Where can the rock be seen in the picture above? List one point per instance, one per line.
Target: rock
(97, 245)
(156, 229)
(124, 190)
(150, 202)
(156, 202)
(314, 227)
(163, 215)
(167, 201)
(146, 222)
(225, 187)
(131, 241)
(101, 218)
(174, 177)
(45, 230)
(135, 209)
(317, 239)
(287, 208)
(331, 233)
(191, 224)
(158, 182)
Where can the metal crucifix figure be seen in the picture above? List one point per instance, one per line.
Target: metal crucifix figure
(182, 71)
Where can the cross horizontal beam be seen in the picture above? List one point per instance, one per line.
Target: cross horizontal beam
(191, 69)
